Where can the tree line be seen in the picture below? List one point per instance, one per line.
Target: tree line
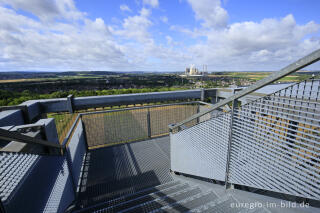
(9, 98)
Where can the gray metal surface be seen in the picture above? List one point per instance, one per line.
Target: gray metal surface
(11, 117)
(13, 168)
(276, 142)
(34, 183)
(201, 150)
(119, 170)
(15, 136)
(301, 63)
(127, 99)
(76, 151)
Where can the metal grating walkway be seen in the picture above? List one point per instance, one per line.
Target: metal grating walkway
(115, 171)
(135, 177)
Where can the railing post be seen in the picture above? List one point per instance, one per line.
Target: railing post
(149, 123)
(228, 185)
(234, 105)
(203, 95)
(70, 103)
(198, 110)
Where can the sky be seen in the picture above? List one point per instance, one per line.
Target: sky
(156, 35)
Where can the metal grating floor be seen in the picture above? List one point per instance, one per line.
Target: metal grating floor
(135, 177)
(115, 171)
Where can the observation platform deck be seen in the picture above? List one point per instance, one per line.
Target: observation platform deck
(136, 177)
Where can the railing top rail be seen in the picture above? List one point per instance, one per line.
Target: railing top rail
(69, 134)
(15, 136)
(299, 64)
(145, 107)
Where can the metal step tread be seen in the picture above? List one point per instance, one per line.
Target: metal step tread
(165, 200)
(129, 197)
(226, 204)
(146, 198)
(222, 205)
(189, 203)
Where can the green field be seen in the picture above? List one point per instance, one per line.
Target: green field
(256, 76)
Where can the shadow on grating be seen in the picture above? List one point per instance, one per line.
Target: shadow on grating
(120, 170)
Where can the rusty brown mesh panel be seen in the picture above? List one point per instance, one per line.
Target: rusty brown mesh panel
(114, 127)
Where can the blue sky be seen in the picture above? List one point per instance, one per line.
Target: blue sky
(156, 35)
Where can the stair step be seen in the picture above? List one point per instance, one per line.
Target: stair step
(164, 201)
(132, 196)
(219, 205)
(224, 204)
(146, 198)
(189, 203)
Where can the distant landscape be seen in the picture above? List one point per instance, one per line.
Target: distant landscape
(17, 87)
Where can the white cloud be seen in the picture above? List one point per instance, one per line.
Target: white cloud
(152, 3)
(125, 7)
(211, 12)
(28, 44)
(245, 45)
(71, 41)
(164, 19)
(136, 27)
(46, 9)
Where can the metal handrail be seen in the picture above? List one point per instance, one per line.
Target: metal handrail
(144, 107)
(15, 136)
(299, 64)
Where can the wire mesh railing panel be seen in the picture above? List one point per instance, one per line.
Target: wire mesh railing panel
(206, 116)
(116, 127)
(63, 121)
(161, 117)
(133, 124)
(201, 150)
(276, 142)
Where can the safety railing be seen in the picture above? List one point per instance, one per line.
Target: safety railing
(303, 62)
(50, 174)
(275, 142)
(133, 124)
(46, 146)
(271, 143)
(63, 121)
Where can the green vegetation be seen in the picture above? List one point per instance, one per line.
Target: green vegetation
(8, 98)
(256, 76)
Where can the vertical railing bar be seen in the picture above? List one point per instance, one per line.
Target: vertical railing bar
(227, 185)
(198, 110)
(149, 123)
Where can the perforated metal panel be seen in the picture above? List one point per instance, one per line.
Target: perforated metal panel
(13, 168)
(34, 183)
(276, 142)
(201, 150)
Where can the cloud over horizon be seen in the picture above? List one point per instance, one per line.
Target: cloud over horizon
(57, 35)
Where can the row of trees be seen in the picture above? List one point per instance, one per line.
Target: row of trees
(8, 98)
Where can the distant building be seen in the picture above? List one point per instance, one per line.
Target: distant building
(187, 72)
(192, 71)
